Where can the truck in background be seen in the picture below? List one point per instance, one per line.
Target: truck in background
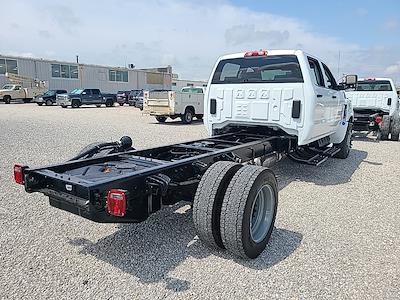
(376, 107)
(186, 104)
(21, 87)
(79, 97)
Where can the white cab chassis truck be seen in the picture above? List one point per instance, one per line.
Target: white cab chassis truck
(187, 104)
(376, 107)
(258, 105)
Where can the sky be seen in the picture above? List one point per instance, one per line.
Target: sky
(190, 35)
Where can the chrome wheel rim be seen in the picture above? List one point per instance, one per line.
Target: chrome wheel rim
(262, 212)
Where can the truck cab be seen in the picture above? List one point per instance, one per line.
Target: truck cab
(78, 97)
(375, 101)
(286, 91)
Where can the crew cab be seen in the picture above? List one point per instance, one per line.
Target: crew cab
(376, 107)
(187, 104)
(288, 91)
(78, 97)
(258, 105)
(49, 98)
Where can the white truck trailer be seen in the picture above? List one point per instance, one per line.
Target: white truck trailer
(187, 104)
(376, 107)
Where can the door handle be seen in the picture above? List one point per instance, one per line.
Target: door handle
(319, 96)
(334, 97)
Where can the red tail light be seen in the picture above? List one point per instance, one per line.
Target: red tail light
(19, 174)
(256, 53)
(116, 203)
(378, 119)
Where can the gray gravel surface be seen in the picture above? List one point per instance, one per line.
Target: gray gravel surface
(337, 232)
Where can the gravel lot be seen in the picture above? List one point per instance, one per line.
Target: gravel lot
(337, 232)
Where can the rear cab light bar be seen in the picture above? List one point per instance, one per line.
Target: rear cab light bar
(256, 53)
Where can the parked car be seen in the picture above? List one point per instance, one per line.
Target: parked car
(123, 97)
(376, 107)
(136, 99)
(80, 97)
(49, 98)
(187, 104)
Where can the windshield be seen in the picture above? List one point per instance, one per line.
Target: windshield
(192, 90)
(258, 69)
(8, 87)
(49, 93)
(76, 91)
(374, 86)
(137, 93)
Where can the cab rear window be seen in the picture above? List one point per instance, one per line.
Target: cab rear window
(258, 69)
(374, 86)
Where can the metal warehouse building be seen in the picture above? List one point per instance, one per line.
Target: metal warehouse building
(68, 76)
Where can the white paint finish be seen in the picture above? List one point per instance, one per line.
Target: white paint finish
(260, 110)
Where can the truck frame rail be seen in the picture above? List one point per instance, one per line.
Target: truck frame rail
(149, 178)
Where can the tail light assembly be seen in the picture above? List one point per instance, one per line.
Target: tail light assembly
(116, 202)
(19, 174)
(378, 119)
(256, 53)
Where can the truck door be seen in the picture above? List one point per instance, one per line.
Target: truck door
(96, 96)
(87, 96)
(323, 97)
(336, 100)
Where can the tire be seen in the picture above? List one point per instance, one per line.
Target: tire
(121, 104)
(345, 145)
(208, 202)
(49, 102)
(199, 117)
(395, 130)
(109, 103)
(242, 205)
(98, 105)
(75, 104)
(384, 128)
(187, 117)
(7, 99)
(161, 119)
(63, 106)
(40, 104)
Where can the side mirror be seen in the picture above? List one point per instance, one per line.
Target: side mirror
(351, 80)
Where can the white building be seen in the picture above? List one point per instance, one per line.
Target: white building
(178, 84)
(70, 75)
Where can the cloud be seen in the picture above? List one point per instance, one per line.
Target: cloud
(392, 24)
(242, 34)
(393, 69)
(189, 35)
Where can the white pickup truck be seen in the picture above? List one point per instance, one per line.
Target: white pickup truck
(282, 90)
(187, 104)
(376, 107)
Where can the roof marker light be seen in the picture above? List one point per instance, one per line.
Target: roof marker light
(256, 53)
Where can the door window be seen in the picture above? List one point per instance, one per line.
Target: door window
(95, 92)
(315, 72)
(330, 82)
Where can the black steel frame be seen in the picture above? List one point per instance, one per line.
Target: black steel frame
(167, 174)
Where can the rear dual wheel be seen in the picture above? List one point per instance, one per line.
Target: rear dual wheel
(395, 127)
(235, 208)
(384, 128)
